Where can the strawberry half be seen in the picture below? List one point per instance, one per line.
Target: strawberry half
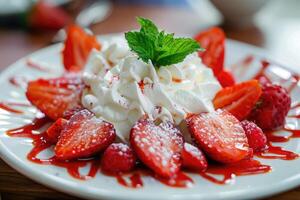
(118, 158)
(84, 135)
(213, 41)
(54, 96)
(225, 78)
(220, 135)
(239, 99)
(53, 132)
(193, 158)
(256, 138)
(158, 147)
(44, 15)
(78, 46)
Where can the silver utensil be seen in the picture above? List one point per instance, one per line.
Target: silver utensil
(94, 13)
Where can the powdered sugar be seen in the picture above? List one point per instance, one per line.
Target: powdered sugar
(158, 146)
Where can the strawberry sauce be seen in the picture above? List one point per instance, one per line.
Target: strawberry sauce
(18, 81)
(276, 152)
(181, 180)
(176, 80)
(36, 66)
(6, 107)
(41, 142)
(245, 167)
(134, 179)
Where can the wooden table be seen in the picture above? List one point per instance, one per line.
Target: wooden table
(14, 44)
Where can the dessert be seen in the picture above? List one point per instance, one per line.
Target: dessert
(151, 104)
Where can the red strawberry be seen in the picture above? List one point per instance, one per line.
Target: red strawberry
(213, 41)
(256, 138)
(83, 136)
(70, 112)
(54, 96)
(118, 158)
(239, 99)
(193, 158)
(47, 16)
(53, 132)
(272, 107)
(220, 135)
(78, 46)
(226, 79)
(158, 147)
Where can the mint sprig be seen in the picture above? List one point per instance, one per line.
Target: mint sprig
(159, 47)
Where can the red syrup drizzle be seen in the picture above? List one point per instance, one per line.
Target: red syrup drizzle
(6, 107)
(181, 180)
(134, 180)
(176, 80)
(18, 81)
(244, 167)
(41, 142)
(141, 85)
(36, 66)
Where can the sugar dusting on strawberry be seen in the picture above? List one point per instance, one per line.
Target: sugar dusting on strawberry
(193, 158)
(220, 135)
(54, 96)
(83, 136)
(256, 138)
(157, 146)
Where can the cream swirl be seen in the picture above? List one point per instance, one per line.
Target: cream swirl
(122, 88)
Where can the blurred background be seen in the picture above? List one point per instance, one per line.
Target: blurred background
(27, 25)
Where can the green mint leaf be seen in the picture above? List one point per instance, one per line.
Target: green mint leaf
(148, 27)
(176, 50)
(159, 47)
(142, 44)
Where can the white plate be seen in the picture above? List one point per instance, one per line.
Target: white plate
(285, 174)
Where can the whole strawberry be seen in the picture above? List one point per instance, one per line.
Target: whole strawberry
(118, 158)
(272, 107)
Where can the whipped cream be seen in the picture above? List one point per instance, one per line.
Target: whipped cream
(123, 88)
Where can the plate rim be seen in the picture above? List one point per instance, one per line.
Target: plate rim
(59, 185)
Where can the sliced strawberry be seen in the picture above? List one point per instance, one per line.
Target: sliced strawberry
(44, 15)
(70, 112)
(256, 138)
(53, 132)
(220, 135)
(213, 41)
(54, 96)
(225, 78)
(78, 46)
(239, 99)
(84, 135)
(158, 147)
(193, 158)
(118, 158)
